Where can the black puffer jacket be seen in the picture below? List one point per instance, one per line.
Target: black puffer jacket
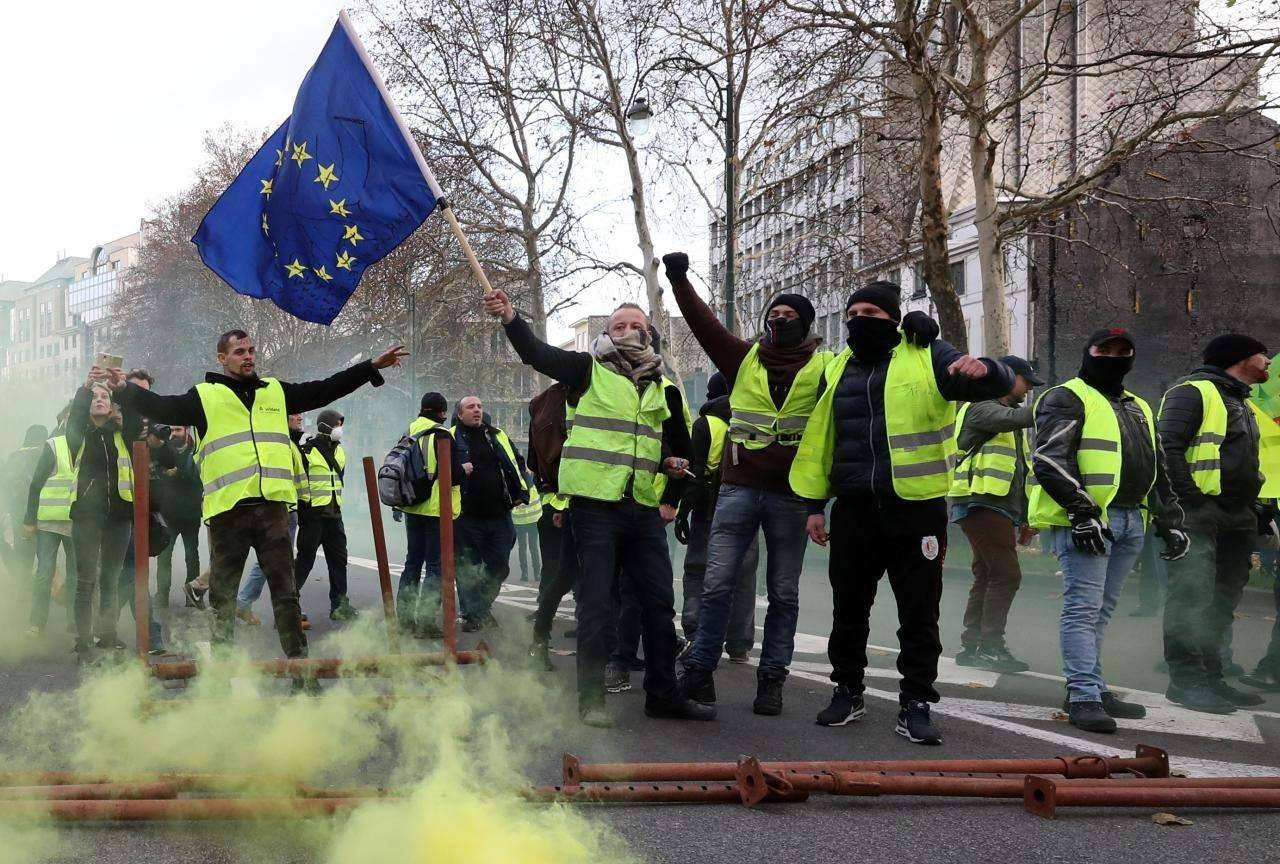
(1059, 421)
(860, 465)
(1180, 419)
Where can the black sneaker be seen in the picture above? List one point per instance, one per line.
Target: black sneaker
(1239, 698)
(344, 611)
(999, 659)
(1262, 679)
(768, 696)
(195, 597)
(540, 657)
(1091, 717)
(698, 685)
(617, 678)
(1120, 709)
(110, 643)
(967, 657)
(914, 724)
(1199, 698)
(684, 709)
(844, 708)
(739, 657)
(471, 625)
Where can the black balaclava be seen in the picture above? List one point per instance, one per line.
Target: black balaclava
(789, 332)
(873, 338)
(1106, 374)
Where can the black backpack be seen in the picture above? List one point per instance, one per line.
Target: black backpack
(403, 479)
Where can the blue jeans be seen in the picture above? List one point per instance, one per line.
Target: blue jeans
(47, 543)
(417, 596)
(251, 590)
(741, 512)
(1091, 586)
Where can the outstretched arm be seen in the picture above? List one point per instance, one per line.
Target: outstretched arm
(725, 350)
(570, 368)
(300, 398)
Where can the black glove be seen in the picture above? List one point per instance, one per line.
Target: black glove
(1176, 543)
(1088, 534)
(1266, 516)
(677, 264)
(682, 526)
(919, 329)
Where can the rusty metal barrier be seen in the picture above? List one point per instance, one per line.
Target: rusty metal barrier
(653, 793)
(91, 791)
(1146, 762)
(118, 810)
(380, 553)
(329, 667)
(1042, 796)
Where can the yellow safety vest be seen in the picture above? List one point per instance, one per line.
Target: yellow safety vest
(615, 441)
(719, 430)
(244, 454)
(1268, 453)
(756, 422)
(57, 492)
(301, 483)
(1099, 457)
(920, 424)
(528, 514)
(990, 470)
(1204, 455)
(556, 501)
(431, 507)
(325, 484)
(124, 470)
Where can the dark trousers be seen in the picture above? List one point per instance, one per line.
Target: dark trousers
(559, 570)
(996, 576)
(741, 635)
(484, 560)
(314, 532)
(47, 544)
(418, 596)
(99, 545)
(264, 528)
(907, 539)
(1270, 661)
(189, 532)
(127, 594)
(609, 534)
(527, 541)
(624, 644)
(1205, 587)
(1153, 576)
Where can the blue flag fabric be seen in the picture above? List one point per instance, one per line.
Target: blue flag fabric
(335, 189)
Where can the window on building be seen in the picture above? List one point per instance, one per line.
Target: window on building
(957, 276)
(918, 286)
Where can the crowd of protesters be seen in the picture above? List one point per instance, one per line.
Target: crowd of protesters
(871, 450)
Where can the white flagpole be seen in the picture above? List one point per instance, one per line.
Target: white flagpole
(441, 202)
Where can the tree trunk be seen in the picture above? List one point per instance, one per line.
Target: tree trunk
(533, 274)
(934, 228)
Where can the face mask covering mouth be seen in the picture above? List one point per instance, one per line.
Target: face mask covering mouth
(786, 332)
(871, 338)
(336, 433)
(1106, 373)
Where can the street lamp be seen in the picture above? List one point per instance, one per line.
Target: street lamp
(639, 116)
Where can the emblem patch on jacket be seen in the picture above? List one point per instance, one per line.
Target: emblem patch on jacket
(929, 547)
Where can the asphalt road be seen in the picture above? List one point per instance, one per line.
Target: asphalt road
(981, 715)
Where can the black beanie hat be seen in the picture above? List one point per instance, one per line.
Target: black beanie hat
(328, 417)
(798, 302)
(886, 295)
(1229, 349)
(717, 386)
(434, 403)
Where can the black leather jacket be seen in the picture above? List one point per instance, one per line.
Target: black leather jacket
(1059, 421)
(1180, 419)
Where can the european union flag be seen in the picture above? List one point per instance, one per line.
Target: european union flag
(336, 188)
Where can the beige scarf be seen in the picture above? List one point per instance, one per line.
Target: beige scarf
(631, 355)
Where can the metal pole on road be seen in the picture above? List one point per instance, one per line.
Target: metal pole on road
(448, 574)
(142, 548)
(380, 552)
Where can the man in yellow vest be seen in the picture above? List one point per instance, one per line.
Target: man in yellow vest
(1210, 436)
(320, 519)
(48, 519)
(1099, 470)
(418, 595)
(1266, 675)
(989, 503)
(881, 441)
(246, 465)
(101, 508)
(614, 468)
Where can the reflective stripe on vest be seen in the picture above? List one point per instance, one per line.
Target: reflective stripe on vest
(244, 454)
(719, 430)
(756, 422)
(301, 483)
(56, 493)
(1268, 453)
(1099, 457)
(431, 507)
(325, 484)
(615, 441)
(528, 514)
(920, 424)
(556, 501)
(989, 470)
(124, 470)
(1204, 453)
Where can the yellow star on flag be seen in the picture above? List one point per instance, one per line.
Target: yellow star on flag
(345, 260)
(327, 176)
(279, 158)
(352, 233)
(266, 187)
(265, 230)
(297, 268)
(322, 273)
(339, 208)
(300, 153)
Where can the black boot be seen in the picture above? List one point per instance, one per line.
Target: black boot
(1199, 697)
(698, 685)
(1091, 717)
(1120, 709)
(768, 696)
